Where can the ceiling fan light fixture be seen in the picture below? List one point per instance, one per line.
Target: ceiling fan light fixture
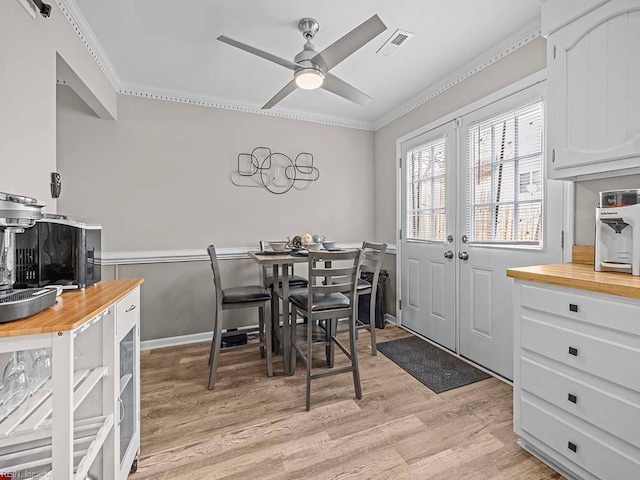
(309, 78)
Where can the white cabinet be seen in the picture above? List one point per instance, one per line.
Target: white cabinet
(84, 420)
(593, 113)
(576, 380)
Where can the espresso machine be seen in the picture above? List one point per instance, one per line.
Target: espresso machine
(617, 246)
(17, 213)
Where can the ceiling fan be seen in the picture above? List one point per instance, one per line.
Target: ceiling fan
(310, 68)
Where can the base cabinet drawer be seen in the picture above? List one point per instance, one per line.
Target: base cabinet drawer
(609, 360)
(594, 310)
(584, 450)
(617, 416)
(128, 312)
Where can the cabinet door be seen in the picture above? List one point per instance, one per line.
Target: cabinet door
(128, 403)
(128, 337)
(594, 72)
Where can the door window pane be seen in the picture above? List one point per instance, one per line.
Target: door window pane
(426, 191)
(504, 202)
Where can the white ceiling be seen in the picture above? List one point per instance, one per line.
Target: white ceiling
(171, 46)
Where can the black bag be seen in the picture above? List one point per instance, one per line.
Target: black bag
(364, 300)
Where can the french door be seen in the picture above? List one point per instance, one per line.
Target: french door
(427, 270)
(500, 212)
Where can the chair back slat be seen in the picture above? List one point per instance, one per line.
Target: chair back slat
(334, 272)
(334, 288)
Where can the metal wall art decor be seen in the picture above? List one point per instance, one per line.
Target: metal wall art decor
(274, 171)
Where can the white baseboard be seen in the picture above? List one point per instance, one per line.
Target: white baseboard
(174, 341)
(206, 337)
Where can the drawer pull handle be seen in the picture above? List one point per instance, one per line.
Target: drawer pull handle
(130, 309)
(573, 307)
(572, 398)
(573, 351)
(573, 447)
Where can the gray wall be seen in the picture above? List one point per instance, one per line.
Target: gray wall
(523, 62)
(587, 200)
(159, 179)
(28, 51)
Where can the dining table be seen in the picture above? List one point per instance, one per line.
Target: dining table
(281, 263)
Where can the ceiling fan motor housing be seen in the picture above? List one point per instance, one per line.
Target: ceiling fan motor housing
(309, 27)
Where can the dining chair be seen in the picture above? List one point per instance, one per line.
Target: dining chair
(323, 300)
(268, 276)
(250, 296)
(372, 258)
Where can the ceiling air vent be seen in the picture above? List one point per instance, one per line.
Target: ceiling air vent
(398, 38)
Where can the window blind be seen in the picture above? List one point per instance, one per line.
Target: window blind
(426, 191)
(504, 178)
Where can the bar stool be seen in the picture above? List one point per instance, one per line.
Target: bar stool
(323, 300)
(251, 296)
(372, 258)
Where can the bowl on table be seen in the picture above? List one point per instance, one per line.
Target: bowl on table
(329, 245)
(279, 246)
(312, 246)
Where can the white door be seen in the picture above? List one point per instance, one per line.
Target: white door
(499, 211)
(428, 219)
(509, 216)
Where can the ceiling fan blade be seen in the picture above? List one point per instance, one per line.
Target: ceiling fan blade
(350, 43)
(343, 89)
(258, 52)
(288, 88)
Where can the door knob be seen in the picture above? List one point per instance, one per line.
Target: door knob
(448, 254)
(463, 256)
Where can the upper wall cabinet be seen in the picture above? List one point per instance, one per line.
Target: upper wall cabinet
(593, 63)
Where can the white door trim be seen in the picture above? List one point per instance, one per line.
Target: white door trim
(512, 89)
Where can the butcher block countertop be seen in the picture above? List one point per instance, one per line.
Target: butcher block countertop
(583, 277)
(72, 308)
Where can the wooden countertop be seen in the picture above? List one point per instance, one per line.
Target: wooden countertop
(72, 308)
(579, 276)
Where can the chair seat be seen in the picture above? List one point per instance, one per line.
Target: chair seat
(320, 302)
(362, 284)
(252, 293)
(293, 281)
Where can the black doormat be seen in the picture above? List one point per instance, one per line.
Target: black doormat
(435, 368)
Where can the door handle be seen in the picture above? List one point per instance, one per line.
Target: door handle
(448, 254)
(463, 256)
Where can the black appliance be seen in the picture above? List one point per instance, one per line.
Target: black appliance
(59, 250)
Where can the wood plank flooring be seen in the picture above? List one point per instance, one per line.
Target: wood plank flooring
(251, 426)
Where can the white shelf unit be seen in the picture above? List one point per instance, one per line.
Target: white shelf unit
(42, 433)
(65, 430)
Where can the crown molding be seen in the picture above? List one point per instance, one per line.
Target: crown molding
(158, 93)
(79, 23)
(501, 50)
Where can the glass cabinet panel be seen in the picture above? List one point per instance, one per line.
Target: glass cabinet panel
(127, 402)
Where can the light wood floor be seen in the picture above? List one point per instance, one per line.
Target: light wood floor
(252, 426)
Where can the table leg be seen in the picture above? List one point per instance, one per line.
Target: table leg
(275, 311)
(286, 320)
